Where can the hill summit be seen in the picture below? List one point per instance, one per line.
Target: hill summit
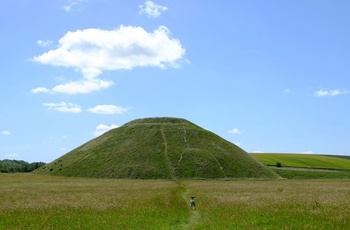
(158, 148)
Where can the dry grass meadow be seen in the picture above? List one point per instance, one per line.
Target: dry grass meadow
(31, 201)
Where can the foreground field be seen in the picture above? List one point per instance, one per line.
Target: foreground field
(46, 202)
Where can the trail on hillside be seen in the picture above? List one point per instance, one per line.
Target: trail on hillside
(220, 167)
(185, 133)
(171, 168)
(185, 139)
(195, 214)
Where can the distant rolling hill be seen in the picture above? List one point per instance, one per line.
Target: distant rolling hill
(304, 160)
(158, 148)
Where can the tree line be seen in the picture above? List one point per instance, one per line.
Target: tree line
(12, 166)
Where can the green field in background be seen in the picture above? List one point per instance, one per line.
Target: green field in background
(304, 160)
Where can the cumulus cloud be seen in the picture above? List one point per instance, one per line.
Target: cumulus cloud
(107, 109)
(40, 90)
(44, 43)
(101, 129)
(151, 9)
(82, 86)
(72, 4)
(6, 133)
(63, 107)
(95, 50)
(336, 92)
(234, 131)
(67, 8)
(92, 51)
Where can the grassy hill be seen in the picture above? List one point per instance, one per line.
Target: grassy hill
(161, 148)
(304, 160)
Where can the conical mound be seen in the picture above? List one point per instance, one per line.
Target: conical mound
(158, 148)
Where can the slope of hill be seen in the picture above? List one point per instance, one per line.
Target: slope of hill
(158, 148)
(304, 160)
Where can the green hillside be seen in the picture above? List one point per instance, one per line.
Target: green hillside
(162, 148)
(304, 160)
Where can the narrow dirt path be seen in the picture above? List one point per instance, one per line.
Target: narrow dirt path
(195, 214)
(220, 167)
(171, 168)
(185, 139)
(185, 133)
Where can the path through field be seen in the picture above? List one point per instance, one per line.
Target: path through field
(195, 214)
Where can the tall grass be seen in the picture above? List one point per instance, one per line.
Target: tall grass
(48, 202)
(42, 202)
(280, 204)
(293, 173)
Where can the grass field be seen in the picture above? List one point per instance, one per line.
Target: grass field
(31, 201)
(307, 166)
(302, 173)
(304, 160)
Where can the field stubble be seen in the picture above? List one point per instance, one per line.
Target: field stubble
(47, 202)
(274, 204)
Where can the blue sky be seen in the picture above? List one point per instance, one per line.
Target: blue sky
(269, 76)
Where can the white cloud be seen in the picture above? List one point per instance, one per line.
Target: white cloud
(12, 155)
(64, 107)
(336, 92)
(63, 149)
(82, 86)
(6, 133)
(238, 143)
(101, 129)
(67, 8)
(234, 131)
(286, 90)
(107, 109)
(93, 51)
(40, 90)
(44, 43)
(65, 137)
(307, 152)
(151, 9)
(72, 4)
